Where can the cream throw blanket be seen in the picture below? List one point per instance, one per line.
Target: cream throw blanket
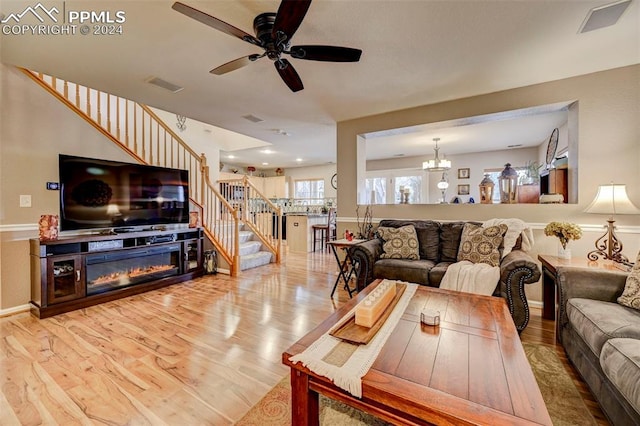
(321, 355)
(481, 278)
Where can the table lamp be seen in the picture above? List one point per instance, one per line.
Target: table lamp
(611, 199)
(442, 186)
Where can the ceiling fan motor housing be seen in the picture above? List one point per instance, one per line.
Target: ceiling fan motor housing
(263, 27)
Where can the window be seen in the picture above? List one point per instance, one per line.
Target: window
(311, 190)
(376, 190)
(413, 184)
(383, 186)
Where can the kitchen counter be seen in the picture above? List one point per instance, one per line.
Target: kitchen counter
(300, 231)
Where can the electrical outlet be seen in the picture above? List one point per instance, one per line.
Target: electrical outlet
(25, 201)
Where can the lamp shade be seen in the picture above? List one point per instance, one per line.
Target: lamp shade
(612, 199)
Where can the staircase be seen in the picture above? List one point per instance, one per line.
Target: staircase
(252, 254)
(252, 251)
(145, 137)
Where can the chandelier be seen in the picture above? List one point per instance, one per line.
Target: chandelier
(436, 165)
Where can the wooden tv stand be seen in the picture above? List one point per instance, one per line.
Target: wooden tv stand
(76, 272)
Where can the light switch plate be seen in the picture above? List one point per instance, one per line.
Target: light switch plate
(25, 201)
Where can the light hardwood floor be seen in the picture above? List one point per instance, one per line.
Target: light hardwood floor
(195, 353)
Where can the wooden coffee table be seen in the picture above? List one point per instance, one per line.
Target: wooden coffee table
(470, 370)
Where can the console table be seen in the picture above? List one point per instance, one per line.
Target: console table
(76, 272)
(550, 265)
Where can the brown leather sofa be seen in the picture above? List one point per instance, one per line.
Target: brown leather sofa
(438, 248)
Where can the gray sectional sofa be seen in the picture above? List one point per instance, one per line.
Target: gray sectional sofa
(602, 339)
(438, 248)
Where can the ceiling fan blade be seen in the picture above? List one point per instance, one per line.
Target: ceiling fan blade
(235, 64)
(289, 75)
(326, 53)
(289, 17)
(214, 23)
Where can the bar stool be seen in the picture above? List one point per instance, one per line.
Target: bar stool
(326, 231)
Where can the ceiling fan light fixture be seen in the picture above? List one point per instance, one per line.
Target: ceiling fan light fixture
(436, 164)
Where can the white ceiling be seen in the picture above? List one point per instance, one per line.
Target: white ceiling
(414, 53)
(514, 129)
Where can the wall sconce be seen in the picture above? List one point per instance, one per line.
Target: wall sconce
(486, 190)
(508, 181)
(182, 122)
(611, 199)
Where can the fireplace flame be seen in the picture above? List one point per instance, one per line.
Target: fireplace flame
(131, 273)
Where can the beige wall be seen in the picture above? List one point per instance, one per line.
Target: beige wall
(609, 150)
(36, 127)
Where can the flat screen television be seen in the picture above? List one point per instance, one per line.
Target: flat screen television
(99, 194)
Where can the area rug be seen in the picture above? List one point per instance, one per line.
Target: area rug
(563, 400)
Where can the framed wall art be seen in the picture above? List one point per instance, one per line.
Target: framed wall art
(463, 189)
(464, 173)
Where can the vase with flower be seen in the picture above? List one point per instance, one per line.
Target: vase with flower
(565, 232)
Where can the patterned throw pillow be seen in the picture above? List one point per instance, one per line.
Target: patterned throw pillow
(481, 245)
(399, 243)
(631, 295)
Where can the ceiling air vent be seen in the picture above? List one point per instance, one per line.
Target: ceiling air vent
(253, 118)
(156, 81)
(604, 16)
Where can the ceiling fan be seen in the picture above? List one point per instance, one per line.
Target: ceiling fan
(273, 34)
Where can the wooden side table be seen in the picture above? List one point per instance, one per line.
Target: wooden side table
(550, 266)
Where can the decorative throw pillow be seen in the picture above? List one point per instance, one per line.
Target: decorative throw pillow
(399, 243)
(631, 295)
(481, 245)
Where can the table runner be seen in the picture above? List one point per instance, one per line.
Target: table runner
(344, 363)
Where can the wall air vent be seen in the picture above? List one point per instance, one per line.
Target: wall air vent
(604, 16)
(253, 118)
(157, 81)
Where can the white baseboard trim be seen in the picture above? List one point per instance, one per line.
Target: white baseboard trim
(14, 310)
